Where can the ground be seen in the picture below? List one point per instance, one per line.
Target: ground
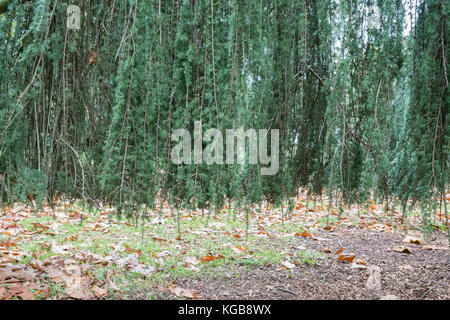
(75, 252)
(424, 274)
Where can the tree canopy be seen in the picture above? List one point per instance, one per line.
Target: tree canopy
(361, 101)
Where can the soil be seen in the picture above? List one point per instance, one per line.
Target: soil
(420, 275)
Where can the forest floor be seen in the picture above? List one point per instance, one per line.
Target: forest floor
(362, 254)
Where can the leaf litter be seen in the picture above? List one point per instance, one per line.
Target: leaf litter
(62, 253)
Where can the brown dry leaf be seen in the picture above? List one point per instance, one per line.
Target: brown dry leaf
(7, 244)
(39, 226)
(347, 257)
(358, 266)
(36, 264)
(3, 293)
(413, 240)
(131, 250)
(160, 288)
(207, 258)
(339, 251)
(190, 294)
(243, 249)
(405, 267)
(72, 268)
(14, 274)
(360, 261)
(77, 288)
(326, 250)
(303, 234)
(93, 57)
(288, 264)
(433, 247)
(117, 248)
(163, 254)
(76, 285)
(113, 286)
(142, 270)
(180, 292)
(55, 274)
(172, 289)
(401, 249)
(99, 292)
(299, 206)
(192, 261)
(176, 291)
(24, 293)
(159, 239)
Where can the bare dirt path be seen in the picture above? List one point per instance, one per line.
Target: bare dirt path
(422, 274)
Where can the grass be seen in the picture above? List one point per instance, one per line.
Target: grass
(221, 238)
(311, 257)
(196, 245)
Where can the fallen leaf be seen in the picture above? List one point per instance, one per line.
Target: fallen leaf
(243, 249)
(358, 266)
(39, 226)
(24, 293)
(347, 257)
(192, 261)
(143, 271)
(92, 57)
(405, 267)
(190, 294)
(303, 234)
(432, 247)
(14, 274)
(99, 292)
(360, 261)
(36, 264)
(207, 258)
(288, 264)
(413, 240)
(77, 288)
(132, 250)
(3, 293)
(159, 239)
(401, 249)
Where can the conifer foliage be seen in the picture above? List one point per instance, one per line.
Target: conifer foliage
(361, 108)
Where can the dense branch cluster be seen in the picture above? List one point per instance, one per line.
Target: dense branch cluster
(362, 110)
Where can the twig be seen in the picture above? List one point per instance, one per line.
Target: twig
(288, 291)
